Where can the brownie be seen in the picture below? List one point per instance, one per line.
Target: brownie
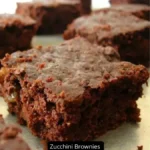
(141, 11)
(139, 147)
(52, 16)
(147, 2)
(10, 138)
(86, 6)
(16, 33)
(127, 33)
(76, 91)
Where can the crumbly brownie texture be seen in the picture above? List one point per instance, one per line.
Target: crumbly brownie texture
(130, 1)
(52, 16)
(129, 34)
(10, 138)
(16, 33)
(72, 92)
(141, 11)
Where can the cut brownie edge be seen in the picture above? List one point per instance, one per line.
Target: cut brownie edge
(136, 51)
(107, 107)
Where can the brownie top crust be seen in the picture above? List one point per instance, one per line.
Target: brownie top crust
(131, 7)
(51, 3)
(10, 137)
(130, 2)
(7, 20)
(66, 70)
(107, 24)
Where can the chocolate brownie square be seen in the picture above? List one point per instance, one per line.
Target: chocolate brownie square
(129, 34)
(52, 16)
(147, 2)
(76, 91)
(16, 33)
(141, 11)
(10, 138)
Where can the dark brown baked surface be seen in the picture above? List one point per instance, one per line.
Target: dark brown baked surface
(130, 1)
(7, 20)
(129, 34)
(16, 33)
(53, 16)
(141, 11)
(86, 6)
(10, 138)
(76, 91)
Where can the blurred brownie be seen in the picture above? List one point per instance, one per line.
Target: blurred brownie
(16, 33)
(141, 11)
(129, 34)
(72, 92)
(86, 6)
(147, 2)
(52, 16)
(140, 147)
(10, 138)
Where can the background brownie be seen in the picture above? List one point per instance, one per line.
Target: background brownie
(72, 92)
(16, 33)
(52, 16)
(86, 6)
(141, 11)
(129, 34)
(10, 138)
(147, 2)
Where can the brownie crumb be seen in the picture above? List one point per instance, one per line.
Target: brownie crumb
(107, 76)
(20, 60)
(41, 66)
(140, 147)
(62, 94)
(10, 137)
(49, 79)
(11, 132)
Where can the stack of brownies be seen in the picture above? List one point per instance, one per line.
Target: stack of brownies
(89, 84)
